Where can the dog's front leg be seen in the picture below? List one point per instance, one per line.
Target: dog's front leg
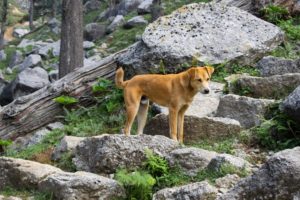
(181, 122)
(173, 117)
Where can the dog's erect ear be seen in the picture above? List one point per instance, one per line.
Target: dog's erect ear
(193, 73)
(209, 70)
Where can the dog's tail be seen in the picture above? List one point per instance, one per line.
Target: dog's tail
(119, 79)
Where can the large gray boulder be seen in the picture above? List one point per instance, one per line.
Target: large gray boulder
(31, 61)
(107, 153)
(23, 173)
(145, 7)
(135, 21)
(191, 160)
(195, 128)
(67, 145)
(81, 185)
(199, 190)
(16, 58)
(273, 87)
(50, 49)
(20, 32)
(29, 81)
(94, 31)
(291, 105)
(117, 22)
(198, 31)
(269, 66)
(248, 111)
(2, 55)
(255, 6)
(221, 159)
(29, 139)
(278, 178)
(92, 5)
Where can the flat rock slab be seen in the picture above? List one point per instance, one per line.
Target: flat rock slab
(248, 111)
(191, 160)
(23, 173)
(67, 145)
(278, 178)
(199, 190)
(198, 31)
(270, 65)
(291, 105)
(82, 185)
(107, 153)
(204, 104)
(273, 87)
(195, 128)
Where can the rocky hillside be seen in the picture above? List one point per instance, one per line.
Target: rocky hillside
(241, 140)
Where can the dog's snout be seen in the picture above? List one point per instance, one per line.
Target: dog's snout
(206, 91)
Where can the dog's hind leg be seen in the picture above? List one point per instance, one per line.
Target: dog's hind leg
(132, 101)
(142, 115)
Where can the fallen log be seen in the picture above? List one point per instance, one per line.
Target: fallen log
(38, 109)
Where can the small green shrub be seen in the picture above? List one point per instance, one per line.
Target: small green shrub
(292, 31)
(25, 194)
(65, 100)
(220, 145)
(278, 131)
(275, 14)
(65, 162)
(225, 169)
(155, 165)
(138, 184)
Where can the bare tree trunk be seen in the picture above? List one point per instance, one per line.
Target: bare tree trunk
(31, 10)
(54, 8)
(71, 47)
(3, 22)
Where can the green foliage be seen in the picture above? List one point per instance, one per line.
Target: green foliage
(5, 143)
(162, 68)
(220, 145)
(275, 14)
(291, 29)
(49, 141)
(155, 165)
(65, 100)
(224, 70)
(138, 184)
(286, 50)
(212, 175)
(170, 6)
(107, 116)
(24, 194)
(278, 131)
(65, 162)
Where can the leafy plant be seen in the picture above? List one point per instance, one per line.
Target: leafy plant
(278, 131)
(65, 100)
(25, 194)
(275, 14)
(155, 165)
(292, 31)
(138, 184)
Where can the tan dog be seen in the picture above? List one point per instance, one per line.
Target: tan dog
(175, 91)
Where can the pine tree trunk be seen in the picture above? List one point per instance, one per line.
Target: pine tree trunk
(54, 8)
(3, 22)
(71, 48)
(31, 10)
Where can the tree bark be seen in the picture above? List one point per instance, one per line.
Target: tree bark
(38, 109)
(31, 11)
(71, 47)
(54, 8)
(3, 22)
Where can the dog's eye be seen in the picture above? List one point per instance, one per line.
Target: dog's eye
(207, 79)
(200, 80)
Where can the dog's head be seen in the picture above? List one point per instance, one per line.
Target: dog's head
(200, 77)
